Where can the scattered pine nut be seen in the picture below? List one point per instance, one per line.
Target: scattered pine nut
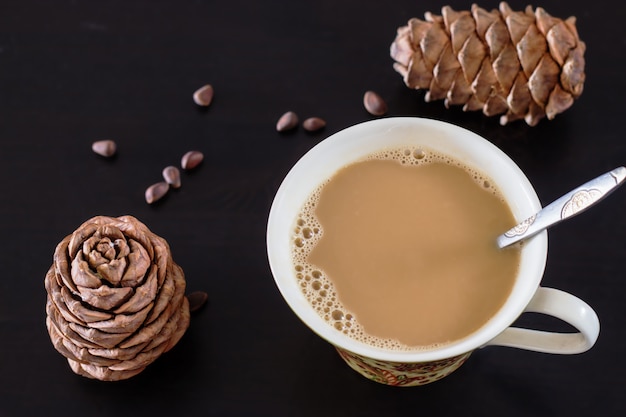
(197, 300)
(313, 123)
(287, 121)
(204, 95)
(374, 103)
(191, 159)
(171, 175)
(156, 191)
(105, 148)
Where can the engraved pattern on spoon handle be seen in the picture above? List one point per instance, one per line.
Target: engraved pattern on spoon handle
(569, 205)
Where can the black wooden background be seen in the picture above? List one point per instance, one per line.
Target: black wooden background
(74, 71)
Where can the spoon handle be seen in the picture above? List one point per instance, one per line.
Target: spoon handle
(571, 204)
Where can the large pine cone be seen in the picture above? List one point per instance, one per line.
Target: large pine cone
(115, 298)
(523, 64)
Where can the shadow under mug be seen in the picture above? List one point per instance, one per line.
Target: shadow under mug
(418, 367)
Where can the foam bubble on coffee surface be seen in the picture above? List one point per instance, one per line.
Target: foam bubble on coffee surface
(317, 287)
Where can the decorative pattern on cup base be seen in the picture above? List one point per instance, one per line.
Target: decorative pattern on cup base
(402, 374)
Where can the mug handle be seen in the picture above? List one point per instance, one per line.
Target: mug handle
(564, 306)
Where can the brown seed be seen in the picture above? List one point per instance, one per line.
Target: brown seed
(313, 123)
(374, 103)
(191, 159)
(197, 300)
(171, 175)
(156, 191)
(204, 95)
(105, 148)
(287, 121)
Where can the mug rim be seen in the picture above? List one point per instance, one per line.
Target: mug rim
(511, 181)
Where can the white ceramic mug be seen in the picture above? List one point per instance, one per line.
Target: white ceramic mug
(406, 368)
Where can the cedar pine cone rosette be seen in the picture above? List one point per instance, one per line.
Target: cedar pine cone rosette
(527, 65)
(115, 298)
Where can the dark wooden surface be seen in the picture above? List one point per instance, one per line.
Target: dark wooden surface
(72, 72)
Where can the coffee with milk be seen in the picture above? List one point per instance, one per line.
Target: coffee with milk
(398, 250)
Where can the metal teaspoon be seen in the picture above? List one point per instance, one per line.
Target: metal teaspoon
(571, 204)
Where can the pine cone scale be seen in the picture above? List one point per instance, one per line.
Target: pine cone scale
(561, 42)
(140, 298)
(471, 57)
(497, 39)
(473, 104)
(84, 315)
(462, 27)
(460, 91)
(543, 79)
(118, 353)
(148, 332)
(517, 25)
(495, 105)
(559, 100)
(519, 97)
(401, 51)
(98, 337)
(530, 49)
(484, 20)
(446, 69)
(573, 76)
(432, 44)
(104, 298)
(140, 361)
(419, 75)
(506, 67)
(81, 275)
(123, 323)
